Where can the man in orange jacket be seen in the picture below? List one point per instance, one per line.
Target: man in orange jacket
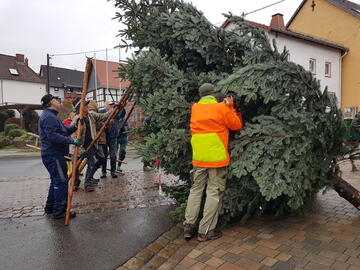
(210, 124)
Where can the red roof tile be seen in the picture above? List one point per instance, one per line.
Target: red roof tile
(113, 76)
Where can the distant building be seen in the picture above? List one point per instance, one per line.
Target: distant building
(104, 82)
(337, 21)
(19, 84)
(64, 82)
(321, 57)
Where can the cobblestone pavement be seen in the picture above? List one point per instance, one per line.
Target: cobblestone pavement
(326, 238)
(25, 196)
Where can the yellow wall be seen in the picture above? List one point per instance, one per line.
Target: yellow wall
(332, 23)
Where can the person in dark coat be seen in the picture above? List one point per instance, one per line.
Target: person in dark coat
(54, 147)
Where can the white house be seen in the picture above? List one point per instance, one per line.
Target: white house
(19, 84)
(321, 57)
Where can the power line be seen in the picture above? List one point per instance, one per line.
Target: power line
(75, 53)
(256, 10)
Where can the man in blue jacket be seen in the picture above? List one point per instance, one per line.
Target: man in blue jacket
(111, 141)
(54, 147)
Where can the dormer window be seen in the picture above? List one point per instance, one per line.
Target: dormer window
(13, 71)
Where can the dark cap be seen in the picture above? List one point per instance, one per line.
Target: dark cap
(45, 100)
(207, 89)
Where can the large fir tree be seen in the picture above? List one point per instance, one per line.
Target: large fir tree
(287, 150)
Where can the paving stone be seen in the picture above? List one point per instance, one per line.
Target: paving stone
(280, 265)
(354, 261)
(340, 265)
(134, 264)
(334, 255)
(316, 266)
(283, 257)
(319, 259)
(248, 264)
(297, 261)
(252, 255)
(230, 266)
(266, 251)
(198, 266)
(269, 261)
(231, 257)
(215, 262)
(203, 257)
(145, 255)
(194, 253)
(187, 262)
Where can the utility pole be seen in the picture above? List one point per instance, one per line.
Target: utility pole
(47, 73)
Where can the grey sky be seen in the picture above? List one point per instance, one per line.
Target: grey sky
(37, 27)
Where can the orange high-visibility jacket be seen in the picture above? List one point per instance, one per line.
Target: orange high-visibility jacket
(210, 123)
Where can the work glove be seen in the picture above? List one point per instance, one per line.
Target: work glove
(76, 141)
(229, 102)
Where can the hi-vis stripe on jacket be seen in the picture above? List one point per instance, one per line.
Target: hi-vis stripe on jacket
(210, 123)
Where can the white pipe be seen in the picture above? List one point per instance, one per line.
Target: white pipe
(107, 72)
(340, 80)
(2, 91)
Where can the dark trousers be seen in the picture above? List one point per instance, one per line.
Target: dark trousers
(58, 191)
(110, 148)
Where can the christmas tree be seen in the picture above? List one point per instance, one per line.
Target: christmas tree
(288, 149)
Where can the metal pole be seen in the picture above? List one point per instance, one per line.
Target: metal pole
(107, 72)
(47, 73)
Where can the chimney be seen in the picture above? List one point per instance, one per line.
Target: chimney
(20, 58)
(277, 21)
(26, 61)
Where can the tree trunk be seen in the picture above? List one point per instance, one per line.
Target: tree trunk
(348, 192)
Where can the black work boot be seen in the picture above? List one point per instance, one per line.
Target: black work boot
(211, 235)
(189, 231)
(113, 168)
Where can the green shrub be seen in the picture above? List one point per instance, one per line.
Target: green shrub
(24, 138)
(16, 133)
(4, 115)
(9, 127)
(5, 141)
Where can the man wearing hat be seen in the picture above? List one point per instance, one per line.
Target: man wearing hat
(54, 147)
(210, 124)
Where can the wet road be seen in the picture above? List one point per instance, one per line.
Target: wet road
(22, 167)
(92, 241)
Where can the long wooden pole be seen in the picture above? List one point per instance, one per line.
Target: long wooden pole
(78, 135)
(113, 114)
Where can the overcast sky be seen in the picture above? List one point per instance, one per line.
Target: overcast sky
(38, 27)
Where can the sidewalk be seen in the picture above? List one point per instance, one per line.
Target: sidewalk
(327, 238)
(17, 153)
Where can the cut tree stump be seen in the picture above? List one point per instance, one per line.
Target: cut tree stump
(348, 192)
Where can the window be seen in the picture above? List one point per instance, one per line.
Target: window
(327, 69)
(56, 89)
(13, 71)
(312, 65)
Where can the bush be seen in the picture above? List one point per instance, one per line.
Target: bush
(13, 120)
(9, 127)
(24, 138)
(4, 115)
(5, 141)
(31, 119)
(16, 133)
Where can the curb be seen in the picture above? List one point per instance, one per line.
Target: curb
(164, 253)
(20, 155)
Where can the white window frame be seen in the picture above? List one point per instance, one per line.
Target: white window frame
(328, 74)
(312, 70)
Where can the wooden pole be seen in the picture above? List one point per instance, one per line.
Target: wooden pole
(78, 135)
(113, 114)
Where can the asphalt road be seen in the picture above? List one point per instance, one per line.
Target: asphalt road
(92, 241)
(22, 167)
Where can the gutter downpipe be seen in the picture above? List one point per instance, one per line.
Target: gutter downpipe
(340, 80)
(2, 91)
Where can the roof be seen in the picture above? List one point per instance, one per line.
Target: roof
(25, 73)
(63, 77)
(295, 35)
(22, 106)
(348, 6)
(113, 77)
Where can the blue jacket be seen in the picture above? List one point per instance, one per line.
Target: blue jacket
(113, 131)
(123, 136)
(53, 134)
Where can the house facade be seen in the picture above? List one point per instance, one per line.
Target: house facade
(322, 58)
(64, 82)
(19, 84)
(336, 21)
